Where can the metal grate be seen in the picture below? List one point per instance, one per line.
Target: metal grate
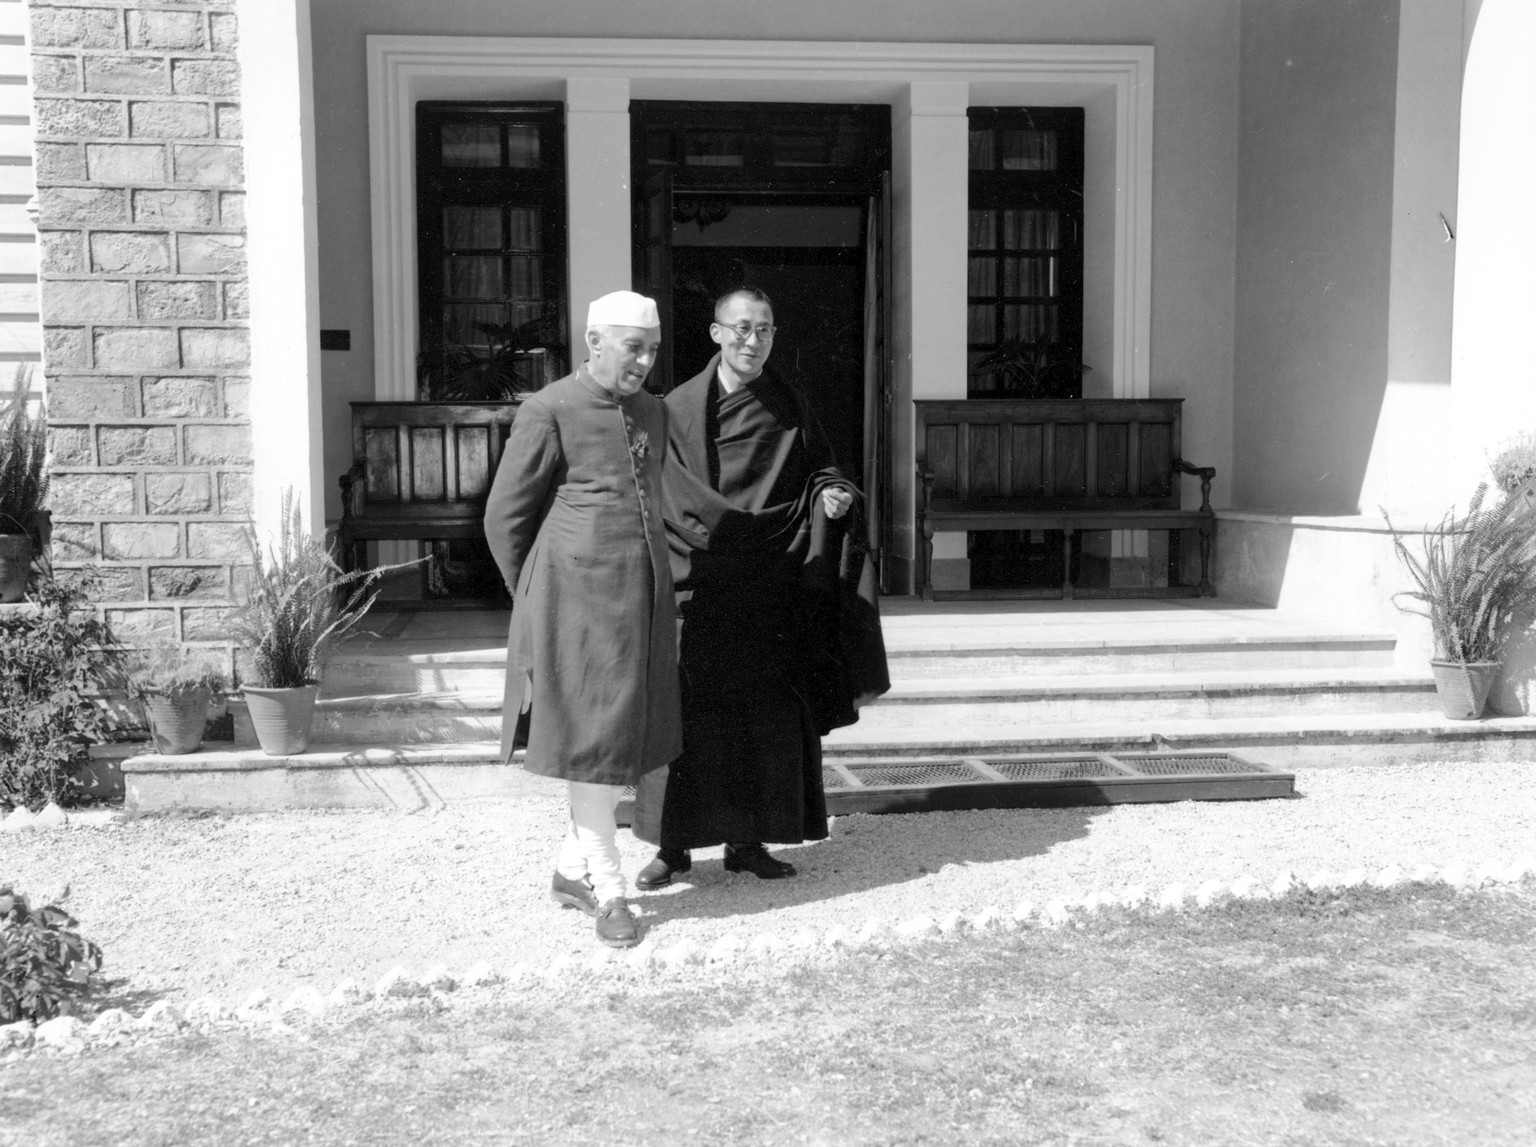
(832, 779)
(1173, 766)
(934, 773)
(1086, 769)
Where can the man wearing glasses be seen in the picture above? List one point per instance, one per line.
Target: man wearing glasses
(755, 511)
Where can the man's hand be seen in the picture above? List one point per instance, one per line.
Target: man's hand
(836, 500)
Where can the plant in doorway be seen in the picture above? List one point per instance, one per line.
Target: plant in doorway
(299, 604)
(1472, 577)
(176, 687)
(23, 486)
(1029, 368)
(516, 358)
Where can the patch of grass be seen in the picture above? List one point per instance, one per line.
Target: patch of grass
(1401, 1016)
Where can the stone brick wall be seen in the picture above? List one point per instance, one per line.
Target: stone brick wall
(146, 344)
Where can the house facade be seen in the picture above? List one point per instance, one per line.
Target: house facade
(1298, 216)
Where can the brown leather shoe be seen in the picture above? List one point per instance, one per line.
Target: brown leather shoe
(615, 926)
(754, 858)
(668, 862)
(576, 894)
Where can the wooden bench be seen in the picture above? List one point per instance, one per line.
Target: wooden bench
(420, 472)
(1059, 464)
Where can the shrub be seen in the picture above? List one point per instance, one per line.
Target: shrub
(166, 667)
(44, 963)
(23, 448)
(55, 658)
(1515, 463)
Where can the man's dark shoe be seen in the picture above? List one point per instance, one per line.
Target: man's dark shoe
(615, 926)
(576, 894)
(667, 863)
(754, 858)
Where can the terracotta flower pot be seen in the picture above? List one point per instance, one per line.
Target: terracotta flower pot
(1463, 687)
(281, 718)
(15, 564)
(176, 720)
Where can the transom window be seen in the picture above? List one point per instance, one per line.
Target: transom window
(491, 243)
(1025, 253)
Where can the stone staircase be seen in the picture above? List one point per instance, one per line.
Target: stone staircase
(412, 714)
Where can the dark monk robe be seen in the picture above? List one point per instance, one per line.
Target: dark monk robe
(765, 586)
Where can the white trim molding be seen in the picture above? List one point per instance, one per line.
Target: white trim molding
(1109, 80)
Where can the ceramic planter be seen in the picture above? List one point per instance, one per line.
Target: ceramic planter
(281, 718)
(176, 720)
(15, 565)
(1463, 687)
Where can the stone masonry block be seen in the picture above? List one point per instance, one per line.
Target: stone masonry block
(76, 541)
(136, 348)
(127, 75)
(92, 495)
(168, 119)
(79, 119)
(237, 398)
(130, 252)
(226, 32)
(178, 493)
(166, 31)
(74, 205)
(235, 493)
(177, 300)
(200, 254)
(71, 446)
(87, 398)
(217, 165)
(204, 347)
(237, 301)
(55, 73)
(60, 252)
(59, 162)
(206, 624)
(196, 583)
(180, 397)
(97, 300)
(218, 444)
(126, 162)
(232, 208)
(77, 28)
(119, 583)
(200, 77)
(227, 121)
(177, 208)
(63, 346)
(124, 541)
(136, 445)
(217, 541)
(142, 626)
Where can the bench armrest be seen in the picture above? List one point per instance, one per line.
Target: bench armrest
(1205, 474)
(352, 488)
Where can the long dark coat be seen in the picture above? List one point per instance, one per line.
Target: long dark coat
(574, 522)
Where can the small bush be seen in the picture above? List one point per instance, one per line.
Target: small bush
(1515, 463)
(54, 662)
(44, 963)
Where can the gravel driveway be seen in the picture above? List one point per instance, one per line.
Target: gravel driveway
(220, 905)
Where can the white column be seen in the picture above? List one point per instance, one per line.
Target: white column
(930, 168)
(277, 101)
(597, 194)
(1493, 372)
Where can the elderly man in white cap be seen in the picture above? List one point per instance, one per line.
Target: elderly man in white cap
(574, 522)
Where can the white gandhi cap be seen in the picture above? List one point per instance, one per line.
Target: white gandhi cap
(622, 309)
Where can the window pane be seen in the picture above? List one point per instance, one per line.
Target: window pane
(459, 323)
(982, 155)
(471, 145)
(473, 227)
(981, 324)
(982, 279)
(1028, 150)
(983, 229)
(522, 145)
(1028, 323)
(524, 230)
(1031, 229)
(801, 149)
(472, 277)
(714, 149)
(1029, 277)
(527, 277)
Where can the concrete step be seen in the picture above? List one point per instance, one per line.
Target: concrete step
(941, 703)
(430, 775)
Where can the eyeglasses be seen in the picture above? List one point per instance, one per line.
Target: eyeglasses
(744, 331)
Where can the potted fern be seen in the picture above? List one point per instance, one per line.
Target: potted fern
(176, 688)
(1475, 579)
(23, 487)
(299, 604)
